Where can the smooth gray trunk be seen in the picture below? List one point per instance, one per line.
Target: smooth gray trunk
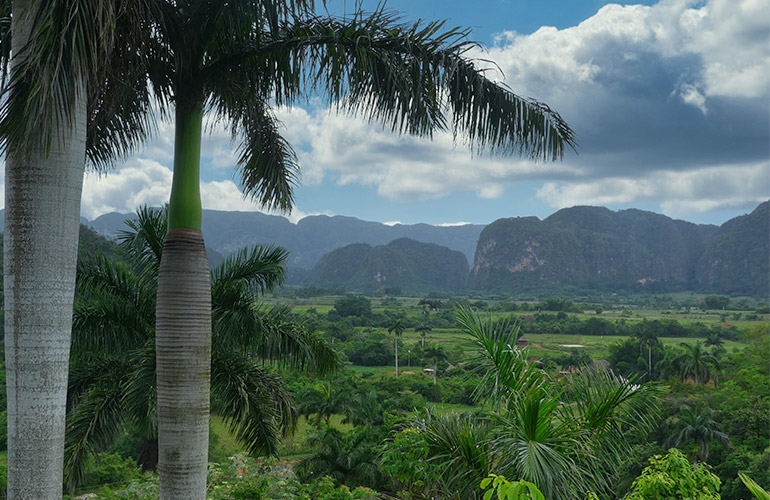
(183, 347)
(42, 218)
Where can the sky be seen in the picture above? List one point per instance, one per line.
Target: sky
(670, 102)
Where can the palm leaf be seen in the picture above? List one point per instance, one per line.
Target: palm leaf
(253, 402)
(504, 369)
(409, 76)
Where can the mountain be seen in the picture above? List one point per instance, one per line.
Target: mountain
(737, 259)
(404, 263)
(312, 237)
(595, 248)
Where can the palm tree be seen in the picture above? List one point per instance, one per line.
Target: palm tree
(698, 427)
(323, 401)
(60, 90)
(366, 409)
(435, 353)
(649, 339)
(236, 60)
(567, 442)
(695, 362)
(397, 328)
(423, 330)
(113, 379)
(349, 459)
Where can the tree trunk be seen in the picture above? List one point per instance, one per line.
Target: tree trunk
(42, 218)
(649, 360)
(396, 356)
(148, 454)
(183, 346)
(183, 320)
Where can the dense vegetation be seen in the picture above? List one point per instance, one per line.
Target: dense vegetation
(444, 423)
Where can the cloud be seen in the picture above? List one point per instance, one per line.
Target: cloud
(147, 182)
(677, 91)
(683, 193)
(676, 85)
(404, 168)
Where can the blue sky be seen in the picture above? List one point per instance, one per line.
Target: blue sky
(669, 101)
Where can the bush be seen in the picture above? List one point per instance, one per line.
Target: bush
(112, 469)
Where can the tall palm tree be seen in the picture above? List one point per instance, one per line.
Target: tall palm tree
(113, 380)
(236, 60)
(698, 427)
(649, 339)
(397, 328)
(59, 89)
(696, 362)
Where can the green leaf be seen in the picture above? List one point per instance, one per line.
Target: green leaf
(755, 489)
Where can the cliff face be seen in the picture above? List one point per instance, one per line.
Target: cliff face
(737, 260)
(403, 263)
(597, 249)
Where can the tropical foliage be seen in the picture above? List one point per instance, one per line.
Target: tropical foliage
(565, 440)
(673, 476)
(113, 383)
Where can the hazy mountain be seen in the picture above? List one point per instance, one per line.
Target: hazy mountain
(578, 248)
(593, 248)
(312, 237)
(737, 259)
(403, 263)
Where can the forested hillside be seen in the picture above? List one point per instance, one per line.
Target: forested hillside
(403, 263)
(593, 248)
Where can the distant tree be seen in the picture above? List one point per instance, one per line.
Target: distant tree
(648, 338)
(698, 427)
(696, 362)
(353, 305)
(715, 302)
(397, 329)
(349, 458)
(365, 409)
(422, 330)
(323, 401)
(575, 359)
(435, 353)
(673, 477)
(431, 303)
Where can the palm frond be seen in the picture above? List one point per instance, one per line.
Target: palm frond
(267, 164)
(535, 445)
(95, 422)
(254, 402)
(145, 236)
(64, 59)
(140, 400)
(459, 447)
(505, 372)
(408, 76)
(259, 269)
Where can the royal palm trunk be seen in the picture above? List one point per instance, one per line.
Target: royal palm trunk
(183, 323)
(42, 217)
